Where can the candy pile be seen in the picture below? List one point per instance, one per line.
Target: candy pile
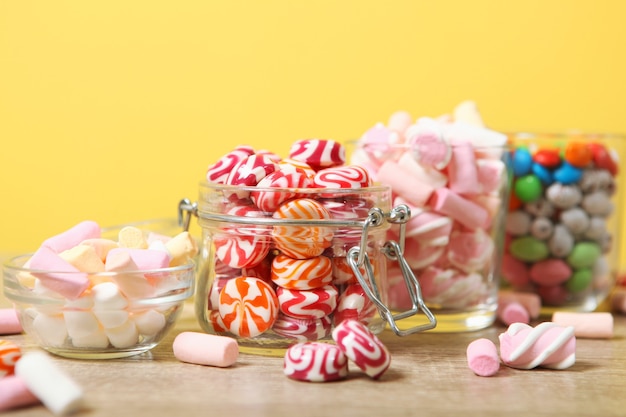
(557, 228)
(323, 362)
(451, 172)
(290, 279)
(86, 290)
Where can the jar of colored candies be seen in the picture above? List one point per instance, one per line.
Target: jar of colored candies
(295, 249)
(562, 230)
(454, 176)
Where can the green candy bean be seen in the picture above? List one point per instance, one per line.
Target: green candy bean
(528, 188)
(584, 255)
(529, 249)
(580, 280)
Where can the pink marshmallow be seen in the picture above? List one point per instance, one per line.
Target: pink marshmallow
(63, 278)
(513, 313)
(469, 214)
(434, 178)
(205, 349)
(596, 325)
(403, 183)
(482, 357)
(145, 259)
(462, 171)
(490, 174)
(132, 284)
(9, 321)
(424, 224)
(84, 230)
(14, 393)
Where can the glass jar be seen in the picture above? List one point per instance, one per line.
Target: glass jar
(562, 231)
(271, 279)
(457, 194)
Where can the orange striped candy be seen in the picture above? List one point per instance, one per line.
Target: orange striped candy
(9, 355)
(248, 306)
(302, 242)
(302, 274)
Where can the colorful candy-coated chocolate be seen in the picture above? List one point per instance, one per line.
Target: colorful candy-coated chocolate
(550, 272)
(362, 347)
(318, 153)
(549, 158)
(315, 362)
(301, 274)
(580, 280)
(603, 159)
(219, 172)
(248, 306)
(302, 241)
(584, 255)
(307, 304)
(521, 162)
(527, 188)
(529, 249)
(567, 174)
(578, 154)
(269, 200)
(10, 353)
(302, 330)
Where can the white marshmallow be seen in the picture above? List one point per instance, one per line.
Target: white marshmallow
(149, 322)
(50, 328)
(97, 340)
(132, 237)
(108, 296)
(56, 390)
(181, 248)
(123, 336)
(80, 323)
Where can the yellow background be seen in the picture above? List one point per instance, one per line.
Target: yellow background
(112, 110)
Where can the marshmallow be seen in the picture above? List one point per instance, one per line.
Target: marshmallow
(530, 301)
(50, 329)
(84, 258)
(469, 214)
(123, 336)
(131, 237)
(14, 393)
(84, 230)
(467, 112)
(597, 325)
(101, 246)
(513, 312)
(205, 349)
(412, 189)
(143, 259)
(9, 321)
(65, 280)
(49, 383)
(80, 324)
(482, 357)
(149, 322)
(95, 340)
(132, 284)
(462, 170)
(182, 248)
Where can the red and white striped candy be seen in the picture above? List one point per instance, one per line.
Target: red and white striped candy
(302, 241)
(252, 170)
(10, 353)
(362, 347)
(269, 200)
(315, 362)
(248, 306)
(343, 273)
(241, 251)
(302, 274)
(318, 153)
(352, 176)
(219, 172)
(307, 304)
(302, 330)
(291, 165)
(247, 210)
(354, 304)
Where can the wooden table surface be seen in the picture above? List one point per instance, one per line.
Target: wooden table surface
(428, 376)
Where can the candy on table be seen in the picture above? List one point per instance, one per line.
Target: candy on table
(9, 321)
(362, 347)
(49, 383)
(315, 362)
(14, 393)
(592, 325)
(9, 355)
(450, 173)
(560, 232)
(547, 345)
(247, 306)
(205, 349)
(482, 357)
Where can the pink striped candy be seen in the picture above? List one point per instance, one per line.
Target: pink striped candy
(302, 241)
(302, 274)
(362, 347)
(302, 330)
(219, 172)
(354, 304)
(291, 165)
(352, 176)
(269, 200)
(315, 362)
(252, 170)
(318, 153)
(248, 306)
(307, 304)
(241, 251)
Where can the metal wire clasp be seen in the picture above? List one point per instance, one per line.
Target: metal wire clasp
(186, 210)
(358, 257)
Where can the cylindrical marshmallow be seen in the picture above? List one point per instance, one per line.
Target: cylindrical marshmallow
(181, 248)
(14, 393)
(482, 357)
(205, 349)
(597, 325)
(404, 184)
(462, 171)
(9, 321)
(466, 212)
(65, 280)
(84, 230)
(57, 390)
(513, 312)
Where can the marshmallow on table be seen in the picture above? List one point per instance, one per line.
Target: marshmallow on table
(66, 279)
(205, 349)
(482, 357)
(56, 390)
(9, 321)
(84, 230)
(14, 393)
(596, 325)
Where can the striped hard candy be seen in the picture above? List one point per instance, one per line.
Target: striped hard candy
(301, 274)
